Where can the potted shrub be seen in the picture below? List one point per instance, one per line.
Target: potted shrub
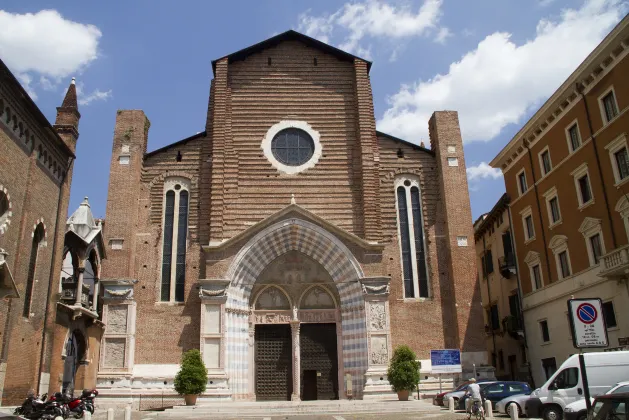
(192, 377)
(403, 372)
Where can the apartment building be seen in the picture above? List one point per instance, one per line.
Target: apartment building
(495, 259)
(567, 173)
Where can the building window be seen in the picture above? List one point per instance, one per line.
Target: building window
(488, 262)
(552, 204)
(501, 360)
(535, 272)
(494, 317)
(564, 263)
(592, 232)
(543, 325)
(523, 352)
(609, 107)
(574, 138)
(609, 314)
(36, 244)
(550, 367)
(5, 210)
(537, 277)
(412, 242)
(619, 158)
(583, 186)
(175, 234)
(292, 147)
(522, 182)
(544, 161)
(528, 224)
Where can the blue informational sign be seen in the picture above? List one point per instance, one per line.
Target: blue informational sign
(445, 361)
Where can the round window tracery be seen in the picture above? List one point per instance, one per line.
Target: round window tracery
(292, 147)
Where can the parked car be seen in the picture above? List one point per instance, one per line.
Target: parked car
(496, 391)
(578, 410)
(604, 369)
(438, 400)
(459, 393)
(504, 406)
(610, 407)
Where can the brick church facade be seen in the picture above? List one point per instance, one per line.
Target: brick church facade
(290, 242)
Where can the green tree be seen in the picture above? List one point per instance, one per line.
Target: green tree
(192, 377)
(403, 373)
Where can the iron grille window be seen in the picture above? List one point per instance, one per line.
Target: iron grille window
(180, 274)
(168, 244)
(292, 147)
(537, 277)
(597, 249)
(407, 265)
(545, 334)
(554, 209)
(622, 162)
(609, 102)
(575, 140)
(609, 314)
(420, 255)
(563, 263)
(38, 237)
(584, 188)
(546, 166)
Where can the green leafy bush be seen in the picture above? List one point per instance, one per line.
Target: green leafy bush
(192, 377)
(403, 373)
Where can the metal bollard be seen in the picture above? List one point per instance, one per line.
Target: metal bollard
(514, 411)
(87, 415)
(489, 411)
(451, 404)
(127, 413)
(110, 414)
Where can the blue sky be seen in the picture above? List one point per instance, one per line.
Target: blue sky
(494, 61)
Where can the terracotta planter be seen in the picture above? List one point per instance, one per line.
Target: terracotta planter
(403, 395)
(192, 399)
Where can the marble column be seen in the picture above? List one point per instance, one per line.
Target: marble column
(294, 326)
(79, 287)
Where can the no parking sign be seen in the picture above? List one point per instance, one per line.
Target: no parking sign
(588, 323)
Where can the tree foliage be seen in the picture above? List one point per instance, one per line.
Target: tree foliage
(192, 377)
(403, 373)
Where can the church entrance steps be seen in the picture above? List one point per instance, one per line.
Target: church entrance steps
(290, 408)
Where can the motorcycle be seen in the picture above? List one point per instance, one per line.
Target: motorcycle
(35, 407)
(87, 396)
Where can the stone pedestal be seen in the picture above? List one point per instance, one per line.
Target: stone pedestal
(376, 295)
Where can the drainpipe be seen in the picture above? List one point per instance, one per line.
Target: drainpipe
(50, 281)
(517, 276)
(539, 211)
(491, 327)
(579, 88)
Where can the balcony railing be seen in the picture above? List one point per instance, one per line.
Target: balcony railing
(507, 265)
(615, 263)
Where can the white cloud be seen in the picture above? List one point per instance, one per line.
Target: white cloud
(498, 82)
(96, 95)
(372, 18)
(443, 35)
(46, 45)
(483, 171)
(26, 80)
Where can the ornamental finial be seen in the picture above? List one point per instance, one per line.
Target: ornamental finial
(292, 199)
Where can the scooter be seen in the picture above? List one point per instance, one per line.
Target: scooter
(37, 408)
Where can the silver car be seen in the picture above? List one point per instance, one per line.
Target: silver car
(504, 406)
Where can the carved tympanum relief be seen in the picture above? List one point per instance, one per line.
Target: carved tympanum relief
(317, 298)
(272, 298)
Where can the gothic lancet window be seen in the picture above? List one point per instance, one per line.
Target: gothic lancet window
(176, 204)
(411, 234)
(38, 238)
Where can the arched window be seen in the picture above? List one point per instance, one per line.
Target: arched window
(176, 204)
(38, 237)
(411, 234)
(5, 210)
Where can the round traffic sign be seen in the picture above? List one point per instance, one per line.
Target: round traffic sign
(587, 313)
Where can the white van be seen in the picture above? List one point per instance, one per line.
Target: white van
(565, 386)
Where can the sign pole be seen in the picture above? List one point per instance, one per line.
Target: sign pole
(440, 390)
(584, 379)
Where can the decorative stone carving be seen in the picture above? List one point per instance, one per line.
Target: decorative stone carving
(272, 318)
(379, 350)
(376, 286)
(213, 288)
(117, 319)
(272, 298)
(317, 298)
(377, 316)
(118, 294)
(238, 311)
(318, 316)
(115, 352)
